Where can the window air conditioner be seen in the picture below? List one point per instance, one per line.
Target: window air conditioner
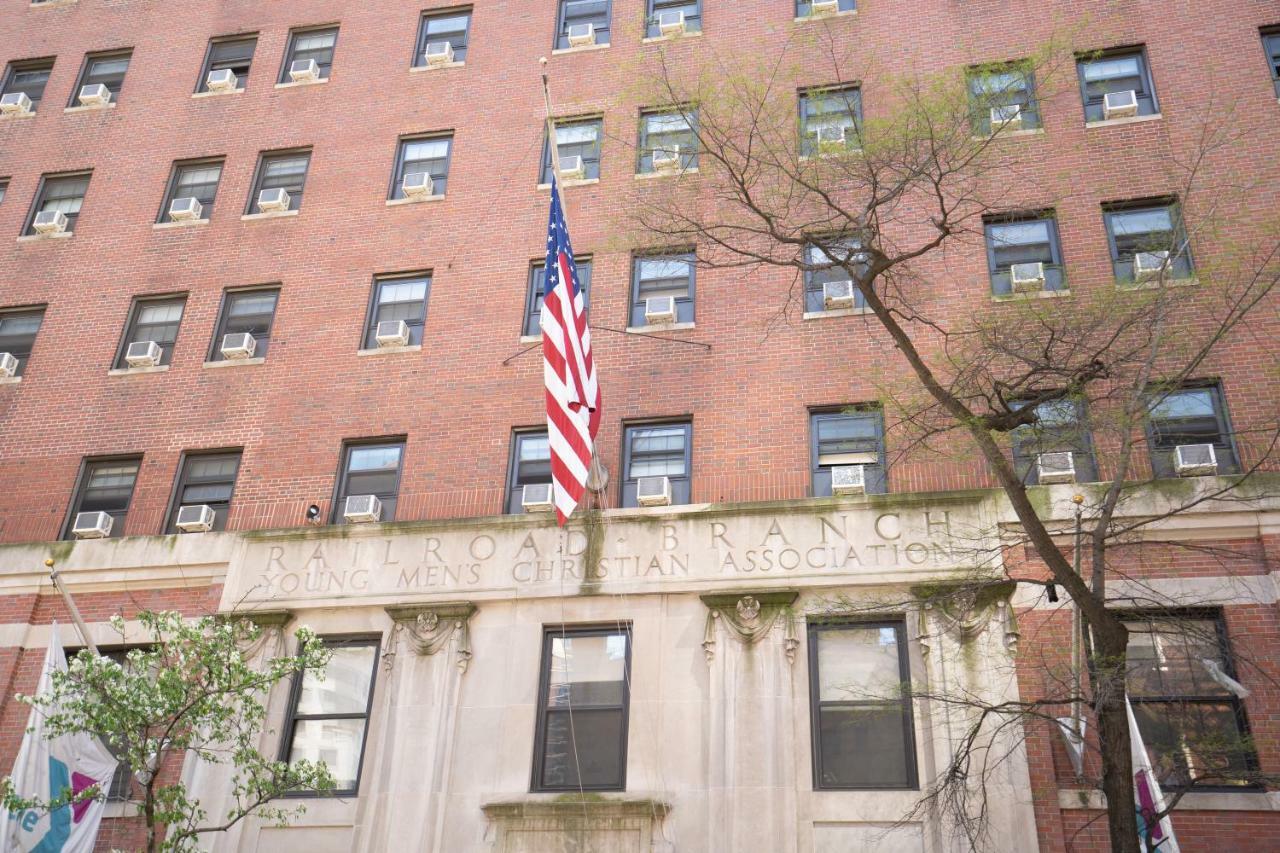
(666, 159)
(94, 95)
(8, 365)
(571, 168)
(849, 480)
(15, 104)
(671, 22)
(1026, 278)
(185, 209)
(238, 345)
(418, 185)
(837, 294)
(392, 333)
(1148, 266)
(304, 71)
(832, 139)
(659, 310)
(438, 53)
(362, 508)
(1007, 117)
(1120, 104)
(823, 8)
(197, 518)
(581, 35)
(653, 491)
(1056, 467)
(92, 525)
(221, 80)
(536, 497)
(49, 222)
(273, 200)
(1195, 460)
(143, 354)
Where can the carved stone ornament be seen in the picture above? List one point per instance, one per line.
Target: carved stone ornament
(749, 617)
(430, 626)
(272, 623)
(967, 611)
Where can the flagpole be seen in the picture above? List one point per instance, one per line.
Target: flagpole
(72, 609)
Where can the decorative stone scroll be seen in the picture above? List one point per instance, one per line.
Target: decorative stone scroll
(430, 626)
(272, 623)
(968, 610)
(749, 617)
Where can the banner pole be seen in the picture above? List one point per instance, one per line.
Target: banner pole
(76, 618)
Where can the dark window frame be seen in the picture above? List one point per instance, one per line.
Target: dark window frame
(653, 7)
(1148, 103)
(82, 79)
(814, 279)
(290, 49)
(1271, 49)
(292, 718)
(344, 472)
(535, 292)
(83, 476)
(73, 219)
(263, 341)
(1055, 270)
(1181, 262)
(627, 484)
(807, 95)
(175, 174)
(686, 306)
(644, 152)
(1026, 445)
(564, 631)
(1162, 459)
(19, 66)
(813, 630)
(4, 188)
(590, 163)
(120, 788)
(24, 355)
(181, 481)
(130, 328)
(420, 41)
(417, 328)
(242, 80)
(877, 483)
(804, 8)
(396, 190)
(982, 103)
(561, 40)
(259, 174)
(516, 484)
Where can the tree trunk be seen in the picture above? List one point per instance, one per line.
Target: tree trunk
(1108, 673)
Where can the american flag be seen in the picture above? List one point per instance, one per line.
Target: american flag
(573, 395)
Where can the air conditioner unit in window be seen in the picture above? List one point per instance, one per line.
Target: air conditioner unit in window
(1007, 117)
(273, 200)
(94, 95)
(1148, 266)
(1120, 104)
(362, 508)
(1026, 278)
(8, 365)
(49, 222)
(837, 294)
(822, 8)
(659, 310)
(418, 185)
(185, 209)
(832, 139)
(438, 53)
(92, 525)
(536, 497)
(15, 104)
(1195, 460)
(653, 491)
(666, 159)
(849, 480)
(571, 168)
(238, 345)
(392, 333)
(221, 80)
(671, 22)
(197, 518)
(1056, 467)
(143, 354)
(581, 35)
(304, 71)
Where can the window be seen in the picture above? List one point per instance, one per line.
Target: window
(105, 68)
(399, 297)
(581, 740)
(121, 785)
(1000, 87)
(1271, 44)
(4, 187)
(1115, 71)
(1143, 228)
(836, 108)
(28, 76)
(205, 478)
(1060, 426)
(1189, 415)
(804, 8)
(310, 44)
(692, 15)
(106, 485)
(530, 464)
(153, 320)
(196, 179)
(251, 311)
(668, 131)
(451, 26)
(662, 275)
(329, 714)
(1024, 239)
(60, 192)
(428, 154)
(233, 54)
(18, 330)
(575, 138)
(370, 468)
(538, 289)
(578, 12)
(860, 706)
(285, 170)
(829, 263)
(657, 450)
(1194, 729)
(848, 437)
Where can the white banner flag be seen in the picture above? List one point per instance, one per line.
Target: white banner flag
(1150, 799)
(46, 769)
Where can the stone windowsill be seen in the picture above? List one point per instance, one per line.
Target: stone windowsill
(1110, 122)
(1034, 294)
(216, 94)
(52, 4)
(1156, 284)
(398, 202)
(120, 808)
(91, 108)
(843, 13)
(271, 214)
(644, 176)
(418, 69)
(179, 223)
(1235, 801)
(38, 238)
(595, 805)
(831, 155)
(1012, 134)
(10, 380)
(576, 182)
(31, 114)
(294, 84)
(677, 37)
(585, 48)
(835, 312)
(531, 339)
(390, 350)
(137, 371)
(237, 362)
(659, 327)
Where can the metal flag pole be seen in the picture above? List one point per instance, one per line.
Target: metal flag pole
(76, 618)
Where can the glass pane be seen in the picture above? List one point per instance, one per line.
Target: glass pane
(345, 688)
(1184, 404)
(587, 670)
(862, 747)
(252, 304)
(858, 664)
(534, 448)
(213, 467)
(1190, 741)
(1109, 69)
(335, 742)
(451, 24)
(378, 458)
(402, 291)
(667, 123)
(583, 749)
(1141, 222)
(314, 41)
(1166, 658)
